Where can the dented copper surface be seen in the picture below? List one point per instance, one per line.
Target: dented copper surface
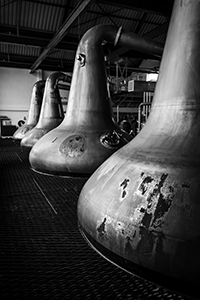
(73, 146)
(143, 202)
(34, 110)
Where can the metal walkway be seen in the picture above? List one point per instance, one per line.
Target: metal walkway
(42, 253)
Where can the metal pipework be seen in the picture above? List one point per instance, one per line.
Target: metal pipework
(142, 105)
(51, 114)
(139, 43)
(87, 135)
(142, 206)
(34, 110)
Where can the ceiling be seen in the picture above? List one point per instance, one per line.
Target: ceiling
(44, 34)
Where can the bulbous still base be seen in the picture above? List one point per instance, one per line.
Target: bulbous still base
(174, 285)
(146, 214)
(75, 153)
(21, 131)
(32, 137)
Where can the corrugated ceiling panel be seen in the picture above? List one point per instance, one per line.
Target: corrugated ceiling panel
(120, 16)
(19, 49)
(8, 12)
(40, 16)
(157, 19)
(45, 17)
(48, 15)
(161, 38)
(128, 19)
(131, 14)
(89, 16)
(82, 25)
(129, 26)
(89, 20)
(105, 8)
(4, 48)
(54, 2)
(147, 28)
(120, 12)
(62, 54)
(85, 26)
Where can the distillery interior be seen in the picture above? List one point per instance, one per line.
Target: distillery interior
(100, 149)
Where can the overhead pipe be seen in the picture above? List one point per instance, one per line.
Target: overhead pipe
(51, 114)
(34, 110)
(88, 135)
(151, 35)
(139, 43)
(141, 207)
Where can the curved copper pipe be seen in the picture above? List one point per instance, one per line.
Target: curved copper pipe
(139, 43)
(51, 105)
(90, 61)
(142, 205)
(34, 110)
(51, 114)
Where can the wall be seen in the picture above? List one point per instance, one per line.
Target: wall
(15, 92)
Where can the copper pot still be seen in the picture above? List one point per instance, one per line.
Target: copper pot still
(88, 135)
(143, 204)
(51, 114)
(34, 110)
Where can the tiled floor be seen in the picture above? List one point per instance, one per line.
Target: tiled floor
(43, 255)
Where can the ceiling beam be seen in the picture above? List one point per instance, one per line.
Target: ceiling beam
(141, 23)
(70, 44)
(24, 62)
(34, 37)
(117, 17)
(157, 31)
(80, 8)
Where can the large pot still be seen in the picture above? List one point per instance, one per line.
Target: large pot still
(88, 134)
(51, 114)
(34, 110)
(143, 203)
